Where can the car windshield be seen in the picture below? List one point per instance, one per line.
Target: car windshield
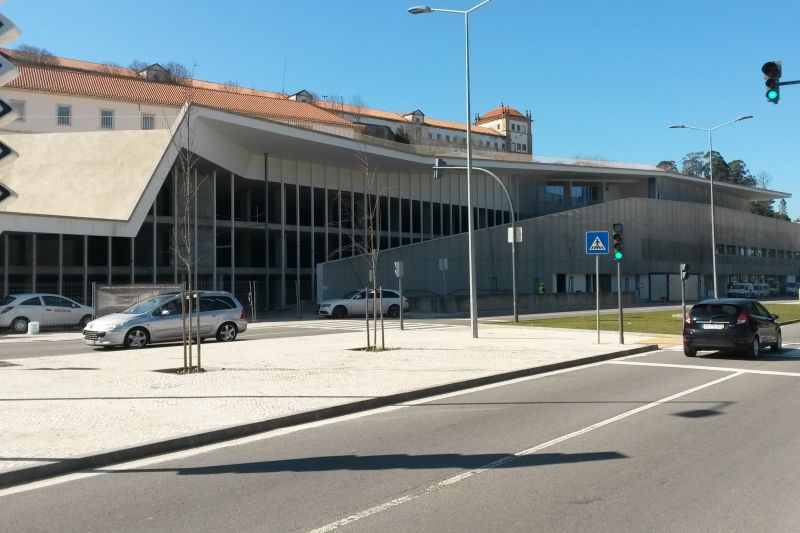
(145, 306)
(714, 311)
(6, 300)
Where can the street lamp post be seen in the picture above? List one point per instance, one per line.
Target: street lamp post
(711, 184)
(473, 301)
(513, 229)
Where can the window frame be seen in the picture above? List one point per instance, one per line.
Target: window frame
(111, 117)
(59, 117)
(152, 118)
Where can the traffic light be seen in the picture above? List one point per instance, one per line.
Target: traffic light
(684, 271)
(772, 73)
(616, 243)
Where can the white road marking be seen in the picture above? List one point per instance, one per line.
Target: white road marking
(455, 479)
(266, 435)
(701, 367)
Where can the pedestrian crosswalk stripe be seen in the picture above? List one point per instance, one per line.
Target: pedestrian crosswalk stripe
(597, 245)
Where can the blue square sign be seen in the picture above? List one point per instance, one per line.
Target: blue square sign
(596, 242)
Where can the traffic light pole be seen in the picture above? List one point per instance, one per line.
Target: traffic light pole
(597, 292)
(619, 304)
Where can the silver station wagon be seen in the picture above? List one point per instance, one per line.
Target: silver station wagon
(159, 319)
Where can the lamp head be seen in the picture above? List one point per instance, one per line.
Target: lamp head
(418, 10)
(677, 126)
(744, 117)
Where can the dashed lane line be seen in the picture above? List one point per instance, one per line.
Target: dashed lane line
(466, 475)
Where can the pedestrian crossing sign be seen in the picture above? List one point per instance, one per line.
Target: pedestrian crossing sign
(596, 242)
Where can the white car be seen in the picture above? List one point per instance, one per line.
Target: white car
(355, 304)
(16, 310)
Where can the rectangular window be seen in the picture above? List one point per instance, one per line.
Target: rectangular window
(731, 249)
(405, 205)
(64, 115)
(148, 122)
(106, 119)
(19, 107)
(524, 147)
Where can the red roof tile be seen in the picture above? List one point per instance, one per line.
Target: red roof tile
(82, 83)
(500, 111)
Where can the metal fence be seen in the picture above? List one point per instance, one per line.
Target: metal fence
(114, 298)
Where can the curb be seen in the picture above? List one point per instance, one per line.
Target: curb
(795, 321)
(121, 455)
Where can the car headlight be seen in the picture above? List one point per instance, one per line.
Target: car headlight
(325, 305)
(115, 327)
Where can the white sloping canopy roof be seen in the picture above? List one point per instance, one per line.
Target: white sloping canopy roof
(83, 182)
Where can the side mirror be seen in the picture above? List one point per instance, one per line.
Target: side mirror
(774, 317)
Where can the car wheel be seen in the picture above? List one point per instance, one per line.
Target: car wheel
(777, 346)
(339, 312)
(755, 348)
(84, 320)
(688, 351)
(227, 332)
(136, 338)
(394, 311)
(20, 325)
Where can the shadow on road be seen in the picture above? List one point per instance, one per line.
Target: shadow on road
(387, 462)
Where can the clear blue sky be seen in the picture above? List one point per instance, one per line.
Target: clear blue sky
(601, 79)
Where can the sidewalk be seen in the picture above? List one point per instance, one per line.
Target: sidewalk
(57, 409)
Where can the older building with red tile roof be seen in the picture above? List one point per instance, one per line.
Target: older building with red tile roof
(64, 85)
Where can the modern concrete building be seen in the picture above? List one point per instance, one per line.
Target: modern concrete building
(291, 188)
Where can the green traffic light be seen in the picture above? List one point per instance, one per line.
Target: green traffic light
(617, 256)
(772, 94)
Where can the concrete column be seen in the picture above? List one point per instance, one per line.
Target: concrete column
(313, 237)
(109, 259)
(339, 206)
(297, 230)
(233, 233)
(175, 227)
(5, 263)
(60, 263)
(33, 269)
(155, 241)
(85, 269)
(283, 240)
(133, 260)
(214, 229)
(196, 253)
(266, 231)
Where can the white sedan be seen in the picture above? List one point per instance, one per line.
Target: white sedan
(16, 310)
(355, 304)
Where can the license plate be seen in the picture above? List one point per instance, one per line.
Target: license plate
(712, 326)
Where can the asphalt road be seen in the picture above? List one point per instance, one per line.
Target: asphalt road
(655, 442)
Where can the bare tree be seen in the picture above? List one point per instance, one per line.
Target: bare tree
(36, 54)
(366, 216)
(186, 186)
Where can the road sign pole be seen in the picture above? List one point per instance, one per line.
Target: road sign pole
(619, 304)
(597, 292)
(683, 298)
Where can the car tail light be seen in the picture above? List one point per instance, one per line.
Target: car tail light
(6, 309)
(744, 318)
(242, 317)
(688, 317)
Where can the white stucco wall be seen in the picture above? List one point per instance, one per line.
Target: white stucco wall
(41, 113)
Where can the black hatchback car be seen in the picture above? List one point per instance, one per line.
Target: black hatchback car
(730, 324)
